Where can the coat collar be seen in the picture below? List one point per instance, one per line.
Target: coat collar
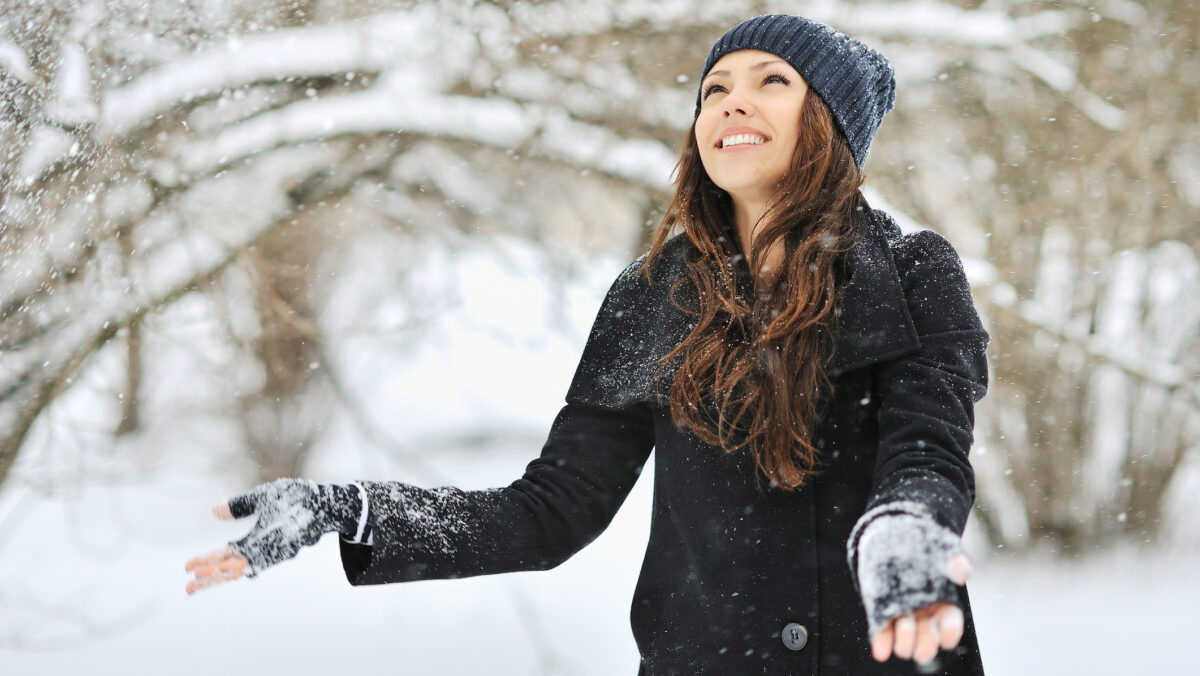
(873, 316)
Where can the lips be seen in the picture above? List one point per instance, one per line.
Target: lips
(742, 139)
(741, 136)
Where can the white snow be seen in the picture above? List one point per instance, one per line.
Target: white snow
(45, 146)
(352, 46)
(74, 103)
(13, 60)
(400, 105)
(397, 107)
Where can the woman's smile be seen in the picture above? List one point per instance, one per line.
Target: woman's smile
(741, 138)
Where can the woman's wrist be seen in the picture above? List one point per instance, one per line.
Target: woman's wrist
(354, 508)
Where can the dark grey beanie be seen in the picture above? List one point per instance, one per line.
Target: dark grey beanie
(855, 81)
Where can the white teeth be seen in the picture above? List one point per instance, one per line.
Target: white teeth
(741, 139)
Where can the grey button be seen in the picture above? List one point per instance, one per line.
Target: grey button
(795, 636)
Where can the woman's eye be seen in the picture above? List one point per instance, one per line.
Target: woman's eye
(712, 88)
(776, 77)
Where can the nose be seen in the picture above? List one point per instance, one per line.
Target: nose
(736, 103)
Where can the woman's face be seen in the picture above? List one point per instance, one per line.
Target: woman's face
(749, 123)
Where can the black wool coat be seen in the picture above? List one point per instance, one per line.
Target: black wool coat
(729, 565)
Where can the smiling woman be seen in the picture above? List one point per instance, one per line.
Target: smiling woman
(806, 376)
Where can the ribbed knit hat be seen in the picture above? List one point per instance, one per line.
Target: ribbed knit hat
(855, 81)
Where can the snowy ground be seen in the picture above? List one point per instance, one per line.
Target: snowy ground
(94, 535)
(97, 579)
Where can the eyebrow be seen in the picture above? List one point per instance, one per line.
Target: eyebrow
(758, 67)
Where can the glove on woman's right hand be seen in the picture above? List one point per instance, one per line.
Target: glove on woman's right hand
(904, 565)
(907, 568)
(292, 513)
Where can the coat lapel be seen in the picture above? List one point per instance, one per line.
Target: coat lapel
(874, 322)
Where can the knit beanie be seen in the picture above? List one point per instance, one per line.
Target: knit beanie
(855, 81)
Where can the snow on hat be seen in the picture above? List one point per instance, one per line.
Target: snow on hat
(855, 81)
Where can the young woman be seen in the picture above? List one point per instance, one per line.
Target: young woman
(806, 375)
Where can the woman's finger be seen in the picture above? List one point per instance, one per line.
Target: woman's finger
(881, 645)
(928, 639)
(211, 571)
(234, 563)
(223, 511)
(960, 569)
(210, 559)
(211, 576)
(906, 636)
(235, 567)
(950, 625)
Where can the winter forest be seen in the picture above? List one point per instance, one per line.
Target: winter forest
(250, 239)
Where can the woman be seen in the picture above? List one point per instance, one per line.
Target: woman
(806, 375)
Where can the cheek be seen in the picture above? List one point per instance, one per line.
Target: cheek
(706, 157)
(787, 144)
(705, 151)
(703, 129)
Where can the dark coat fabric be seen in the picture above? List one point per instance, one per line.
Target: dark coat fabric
(729, 564)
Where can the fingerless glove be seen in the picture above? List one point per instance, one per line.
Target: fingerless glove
(293, 513)
(900, 559)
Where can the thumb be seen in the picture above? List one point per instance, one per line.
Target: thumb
(959, 569)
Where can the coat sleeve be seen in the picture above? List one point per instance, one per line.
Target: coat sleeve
(592, 457)
(927, 398)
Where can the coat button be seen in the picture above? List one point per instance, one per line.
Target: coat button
(795, 636)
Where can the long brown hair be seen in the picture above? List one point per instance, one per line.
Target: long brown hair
(760, 355)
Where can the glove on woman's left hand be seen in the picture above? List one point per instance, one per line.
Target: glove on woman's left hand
(906, 566)
(291, 514)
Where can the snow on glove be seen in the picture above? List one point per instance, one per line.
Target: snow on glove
(900, 557)
(293, 513)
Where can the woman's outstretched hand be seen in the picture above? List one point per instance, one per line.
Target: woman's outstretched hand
(217, 566)
(908, 567)
(292, 513)
(919, 635)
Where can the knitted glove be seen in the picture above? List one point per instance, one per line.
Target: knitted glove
(293, 513)
(900, 557)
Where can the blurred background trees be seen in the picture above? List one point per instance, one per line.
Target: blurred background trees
(234, 159)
